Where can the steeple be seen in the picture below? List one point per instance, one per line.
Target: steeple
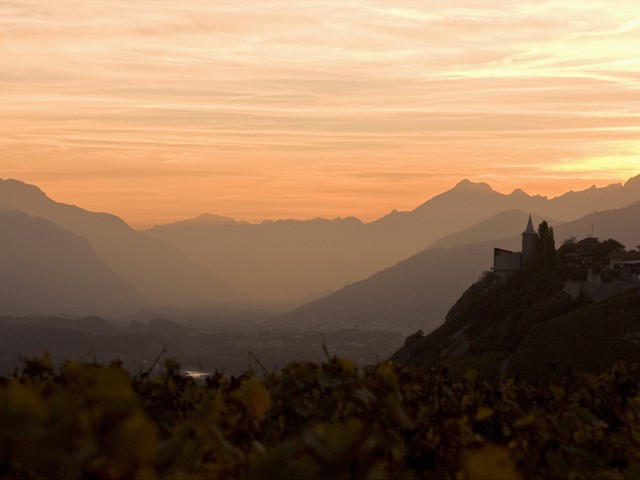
(529, 229)
(529, 242)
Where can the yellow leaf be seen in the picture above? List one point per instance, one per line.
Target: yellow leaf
(387, 373)
(524, 421)
(347, 365)
(24, 401)
(256, 398)
(483, 413)
(490, 462)
(471, 376)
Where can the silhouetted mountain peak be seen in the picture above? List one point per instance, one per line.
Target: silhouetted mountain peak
(633, 182)
(17, 195)
(158, 271)
(212, 219)
(15, 184)
(463, 190)
(16, 190)
(518, 192)
(337, 220)
(467, 186)
(46, 269)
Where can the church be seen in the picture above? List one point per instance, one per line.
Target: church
(505, 261)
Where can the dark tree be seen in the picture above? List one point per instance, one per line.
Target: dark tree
(606, 248)
(612, 245)
(546, 247)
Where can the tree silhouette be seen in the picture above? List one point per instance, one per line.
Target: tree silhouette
(546, 257)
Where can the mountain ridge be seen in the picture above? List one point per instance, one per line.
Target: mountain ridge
(157, 270)
(418, 292)
(463, 186)
(47, 270)
(289, 260)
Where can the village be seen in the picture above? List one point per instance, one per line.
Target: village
(593, 270)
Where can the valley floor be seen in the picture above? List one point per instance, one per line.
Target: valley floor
(231, 349)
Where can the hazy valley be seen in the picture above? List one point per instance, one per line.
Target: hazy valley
(219, 294)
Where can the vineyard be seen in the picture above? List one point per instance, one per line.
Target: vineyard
(315, 421)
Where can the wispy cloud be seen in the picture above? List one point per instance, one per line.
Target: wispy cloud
(347, 107)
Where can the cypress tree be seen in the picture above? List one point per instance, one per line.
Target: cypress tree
(546, 247)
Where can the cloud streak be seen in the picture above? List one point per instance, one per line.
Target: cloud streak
(253, 107)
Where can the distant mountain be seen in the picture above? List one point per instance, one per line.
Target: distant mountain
(573, 205)
(502, 225)
(473, 202)
(47, 270)
(469, 203)
(464, 205)
(280, 261)
(413, 294)
(157, 270)
(210, 219)
(619, 224)
(417, 292)
(289, 260)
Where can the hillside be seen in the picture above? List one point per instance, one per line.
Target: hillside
(158, 271)
(526, 326)
(418, 292)
(586, 340)
(415, 293)
(47, 270)
(487, 323)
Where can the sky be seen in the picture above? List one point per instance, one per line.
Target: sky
(159, 110)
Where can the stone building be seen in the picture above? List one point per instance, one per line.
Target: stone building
(505, 261)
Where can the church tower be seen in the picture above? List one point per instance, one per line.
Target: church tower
(529, 242)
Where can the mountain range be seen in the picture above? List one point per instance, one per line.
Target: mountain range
(418, 292)
(401, 272)
(160, 273)
(291, 261)
(47, 270)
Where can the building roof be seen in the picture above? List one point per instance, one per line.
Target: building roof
(624, 256)
(530, 229)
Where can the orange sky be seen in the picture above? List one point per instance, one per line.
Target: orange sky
(157, 110)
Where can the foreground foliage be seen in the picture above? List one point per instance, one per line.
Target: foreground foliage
(329, 420)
